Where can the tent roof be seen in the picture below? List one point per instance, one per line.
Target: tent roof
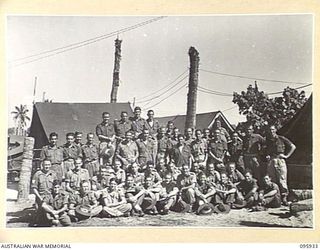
(204, 120)
(70, 117)
(299, 131)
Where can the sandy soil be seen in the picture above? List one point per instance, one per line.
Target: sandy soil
(20, 214)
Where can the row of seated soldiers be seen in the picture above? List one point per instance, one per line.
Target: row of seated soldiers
(116, 191)
(137, 140)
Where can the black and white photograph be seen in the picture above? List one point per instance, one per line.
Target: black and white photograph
(201, 121)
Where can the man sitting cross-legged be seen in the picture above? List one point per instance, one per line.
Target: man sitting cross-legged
(134, 194)
(168, 194)
(84, 205)
(55, 206)
(115, 204)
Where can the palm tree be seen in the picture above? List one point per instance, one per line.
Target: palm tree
(20, 117)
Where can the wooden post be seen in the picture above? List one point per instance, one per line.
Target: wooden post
(26, 169)
(193, 85)
(116, 71)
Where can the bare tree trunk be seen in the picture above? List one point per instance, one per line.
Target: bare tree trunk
(193, 85)
(26, 169)
(116, 71)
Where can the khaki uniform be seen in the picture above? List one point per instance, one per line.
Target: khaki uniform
(55, 155)
(121, 127)
(43, 182)
(75, 178)
(147, 150)
(188, 195)
(91, 159)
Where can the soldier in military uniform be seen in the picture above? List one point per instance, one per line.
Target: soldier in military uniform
(134, 194)
(204, 190)
(42, 181)
(55, 154)
(122, 126)
(133, 170)
(213, 176)
(85, 197)
(127, 151)
(147, 148)
(248, 189)
(225, 191)
(90, 154)
(55, 206)
(152, 172)
(114, 201)
(75, 176)
(163, 144)
(42, 186)
(138, 123)
(188, 134)
(169, 130)
(106, 133)
(186, 182)
(199, 149)
(279, 148)
(78, 139)
(70, 152)
(217, 149)
(223, 132)
(168, 194)
(152, 124)
(119, 173)
(181, 153)
(252, 148)
(235, 149)
(151, 191)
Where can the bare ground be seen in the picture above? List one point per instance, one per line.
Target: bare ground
(20, 214)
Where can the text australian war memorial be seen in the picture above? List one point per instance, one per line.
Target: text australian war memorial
(89, 163)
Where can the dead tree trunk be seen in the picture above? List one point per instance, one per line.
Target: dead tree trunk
(116, 71)
(193, 85)
(26, 169)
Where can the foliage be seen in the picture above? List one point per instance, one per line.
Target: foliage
(261, 110)
(21, 117)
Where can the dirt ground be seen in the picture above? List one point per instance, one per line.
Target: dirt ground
(20, 214)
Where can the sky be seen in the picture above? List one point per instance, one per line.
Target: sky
(272, 47)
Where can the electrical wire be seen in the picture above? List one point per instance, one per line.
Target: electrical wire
(80, 44)
(166, 97)
(155, 92)
(251, 78)
(164, 92)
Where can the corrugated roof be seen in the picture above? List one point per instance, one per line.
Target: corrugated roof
(70, 117)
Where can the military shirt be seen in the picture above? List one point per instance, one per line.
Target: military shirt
(127, 150)
(181, 156)
(43, 182)
(114, 196)
(168, 187)
(147, 149)
(121, 127)
(277, 145)
(268, 188)
(184, 180)
(253, 144)
(225, 186)
(213, 178)
(217, 147)
(84, 199)
(245, 187)
(199, 147)
(236, 176)
(205, 187)
(164, 144)
(71, 152)
(90, 152)
(57, 201)
(120, 176)
(235, 150)
(75, 178)
(153, 126)
(107, 130)
(155, 177)
(54, 154)
(138, 125)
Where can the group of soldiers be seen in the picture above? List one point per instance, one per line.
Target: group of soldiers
(140, 167)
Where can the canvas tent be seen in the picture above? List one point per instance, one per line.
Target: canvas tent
(299, 131)
(203, 120)
(70, 117)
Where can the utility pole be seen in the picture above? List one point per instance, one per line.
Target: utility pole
(193, 86)
(116, 71)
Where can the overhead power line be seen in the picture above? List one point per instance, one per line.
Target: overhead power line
(250, 78)
(209, 91)
(155, 97)
(73, 46)
(166, 97)
(280, 92)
